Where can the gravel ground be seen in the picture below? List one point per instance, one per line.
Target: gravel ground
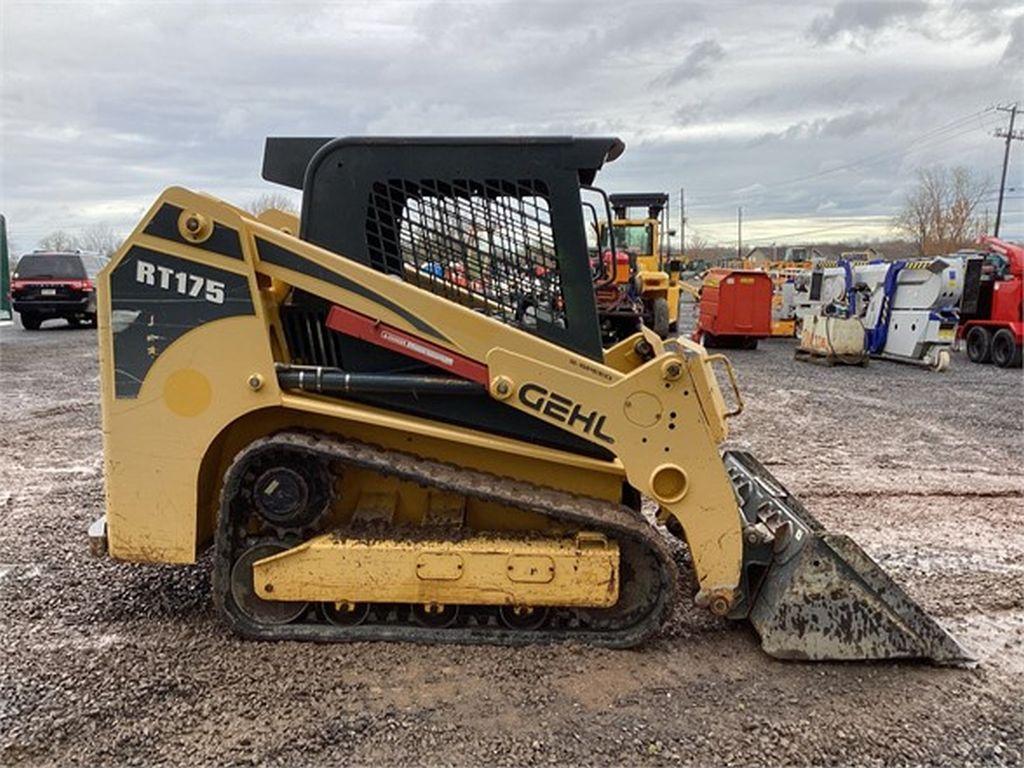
(107, 663)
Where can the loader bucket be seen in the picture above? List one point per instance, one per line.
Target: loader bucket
(818, 596)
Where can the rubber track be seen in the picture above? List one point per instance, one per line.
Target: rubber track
(618, 521)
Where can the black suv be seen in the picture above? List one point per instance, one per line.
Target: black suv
(49, 284)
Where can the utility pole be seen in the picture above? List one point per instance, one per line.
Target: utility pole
(682, 221)
(1010, 135)
(739, 233)
(665, 225)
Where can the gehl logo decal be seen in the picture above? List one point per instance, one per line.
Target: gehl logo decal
(183, 283)
(562, 409)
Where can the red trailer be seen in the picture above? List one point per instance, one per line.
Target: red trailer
(735, 308)
(991, 311)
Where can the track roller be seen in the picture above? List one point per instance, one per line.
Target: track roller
(522, 617)
(435, 616)
(345, 614)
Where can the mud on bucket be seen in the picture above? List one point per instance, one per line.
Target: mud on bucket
(818, 596)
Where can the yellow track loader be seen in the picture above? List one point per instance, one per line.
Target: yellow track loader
(393, 419)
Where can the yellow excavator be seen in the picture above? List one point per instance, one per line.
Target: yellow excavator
(392, 419)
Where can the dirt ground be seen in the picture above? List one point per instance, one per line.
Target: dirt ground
(105, 663)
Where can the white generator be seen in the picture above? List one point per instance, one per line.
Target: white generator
(908, 308)
(832, 341)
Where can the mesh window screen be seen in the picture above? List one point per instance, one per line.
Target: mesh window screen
(487, 245)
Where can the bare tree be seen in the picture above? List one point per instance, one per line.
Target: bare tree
(271, 201)
(59, 241)
(941, 213)
(96, 238)
(100, 238)
(698, 248)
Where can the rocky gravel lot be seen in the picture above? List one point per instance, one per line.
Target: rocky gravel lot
(104, 663)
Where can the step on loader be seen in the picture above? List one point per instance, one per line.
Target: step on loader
(393, 419)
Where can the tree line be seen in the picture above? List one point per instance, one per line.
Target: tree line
(941, 213)
(96, 238)
(103, 239)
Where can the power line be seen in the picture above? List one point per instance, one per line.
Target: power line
(924, 139)
(929, 139)
(928, 144)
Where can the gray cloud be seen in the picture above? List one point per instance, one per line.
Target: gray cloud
(863, 18)
(1013, 55)
(102, 105)
(842, 126)
(696, 63)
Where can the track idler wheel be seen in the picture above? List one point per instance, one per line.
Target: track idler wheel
(252, 605)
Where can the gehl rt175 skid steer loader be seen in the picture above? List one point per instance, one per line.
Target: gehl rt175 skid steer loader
(394, 419)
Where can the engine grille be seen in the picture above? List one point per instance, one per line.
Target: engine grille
(310, 341)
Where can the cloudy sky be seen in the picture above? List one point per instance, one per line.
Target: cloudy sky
(812, 116)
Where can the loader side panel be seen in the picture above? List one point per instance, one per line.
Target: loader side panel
(181, 330)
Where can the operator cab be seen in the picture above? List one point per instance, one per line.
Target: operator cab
(456, 216)
(496, 225)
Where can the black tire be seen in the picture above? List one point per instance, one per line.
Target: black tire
(30, 322)
(1006, 353)
(979, 344)
(90, 320)
(661, 322)
(749, 342)
(708, 340)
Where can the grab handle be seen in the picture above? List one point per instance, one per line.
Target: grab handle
(732, 380)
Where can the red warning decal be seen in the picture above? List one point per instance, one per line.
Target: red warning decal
(366, 328)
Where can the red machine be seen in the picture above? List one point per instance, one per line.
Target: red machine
(735, 308)
(619, 307)
(991, 312)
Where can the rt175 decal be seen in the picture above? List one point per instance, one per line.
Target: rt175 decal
(182, 283)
